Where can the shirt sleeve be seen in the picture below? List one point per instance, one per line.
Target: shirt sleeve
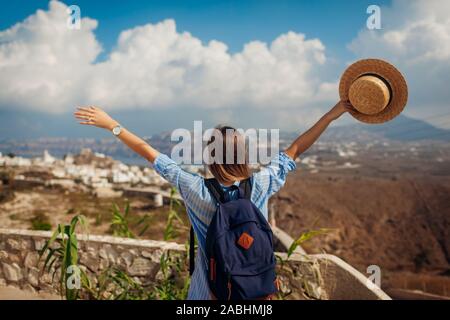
(198, 202)
(271, 178)
(182, 180)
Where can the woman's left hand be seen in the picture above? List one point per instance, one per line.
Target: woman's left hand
(95, 116)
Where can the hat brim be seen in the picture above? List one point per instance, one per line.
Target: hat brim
(386, 71)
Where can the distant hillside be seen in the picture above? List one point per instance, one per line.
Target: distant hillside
(408, 129)
(401, 128)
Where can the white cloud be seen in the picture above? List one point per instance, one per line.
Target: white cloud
(416, 38)
(43, 63)
(47, 67)
(44, 66)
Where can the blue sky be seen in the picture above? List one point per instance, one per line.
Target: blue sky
(284, 59)
(233, 22)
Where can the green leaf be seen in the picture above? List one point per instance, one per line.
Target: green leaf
(127, 209)
(305, 237)
(49, 242)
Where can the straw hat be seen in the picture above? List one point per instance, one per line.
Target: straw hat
(375, 88)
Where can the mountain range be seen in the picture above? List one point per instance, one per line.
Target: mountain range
(401, 129)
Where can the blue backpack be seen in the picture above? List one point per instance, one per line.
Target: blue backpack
(239, 247)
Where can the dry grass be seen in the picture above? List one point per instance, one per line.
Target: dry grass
(29, 208)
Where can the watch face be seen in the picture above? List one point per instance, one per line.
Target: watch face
(116, 130)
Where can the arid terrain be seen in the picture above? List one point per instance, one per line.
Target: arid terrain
(31, 208)
(400, 222)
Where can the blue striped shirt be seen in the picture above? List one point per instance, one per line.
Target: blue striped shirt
(201, 207)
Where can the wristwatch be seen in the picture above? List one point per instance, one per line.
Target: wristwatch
(117, 130)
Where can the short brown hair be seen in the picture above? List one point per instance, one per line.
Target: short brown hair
(229, 172)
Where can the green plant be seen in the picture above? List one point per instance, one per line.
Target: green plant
(115, 284)
(70, 211)
(170, 232)
(61, 253)
(40, 221)
(121, 222)
(312, 281)
(14, 216)
(168, 288)
(305, 236)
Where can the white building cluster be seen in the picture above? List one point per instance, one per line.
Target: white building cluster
(89, 174)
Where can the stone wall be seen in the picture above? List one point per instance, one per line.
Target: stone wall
(325, 276)
(21, 267)
(302, 276)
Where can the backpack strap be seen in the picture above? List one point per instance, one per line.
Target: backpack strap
(217, 193)
(215, 189)
(191, 251)
(245, 189)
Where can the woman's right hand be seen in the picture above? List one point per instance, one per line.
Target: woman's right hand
(339, 109)
(95, 116)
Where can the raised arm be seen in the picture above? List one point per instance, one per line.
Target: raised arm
(306, 140)
(95, 116)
